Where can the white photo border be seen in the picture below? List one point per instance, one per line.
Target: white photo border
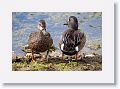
(104, 76)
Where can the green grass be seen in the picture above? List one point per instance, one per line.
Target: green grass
(53, 66)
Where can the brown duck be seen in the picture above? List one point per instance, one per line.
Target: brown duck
(73, 40)
(40, 41)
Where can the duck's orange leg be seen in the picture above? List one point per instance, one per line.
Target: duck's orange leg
(33, 58)
(62, 56)
(76, 56)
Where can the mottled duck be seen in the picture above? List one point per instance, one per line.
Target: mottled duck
(41, 40)
(73, 40)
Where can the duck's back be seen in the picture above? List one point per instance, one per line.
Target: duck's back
(71, 39)
(39, 41)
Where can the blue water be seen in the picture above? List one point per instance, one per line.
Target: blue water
(23, 23)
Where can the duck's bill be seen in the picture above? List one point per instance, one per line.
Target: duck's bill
(65, 24)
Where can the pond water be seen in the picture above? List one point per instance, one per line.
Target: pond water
(23, 23)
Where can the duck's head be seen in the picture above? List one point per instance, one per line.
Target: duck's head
(72, 23)
(41, 25)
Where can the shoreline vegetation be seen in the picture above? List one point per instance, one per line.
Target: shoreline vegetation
(90, 63)
(86, 61)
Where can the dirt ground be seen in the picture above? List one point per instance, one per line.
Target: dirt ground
(56, 64)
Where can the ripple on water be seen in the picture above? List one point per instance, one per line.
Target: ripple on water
(23, 23)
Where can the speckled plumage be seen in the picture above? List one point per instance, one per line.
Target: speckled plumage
(73, 40)
(39, 42)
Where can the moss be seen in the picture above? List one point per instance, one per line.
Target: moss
(82, 65)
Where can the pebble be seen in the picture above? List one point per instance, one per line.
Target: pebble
(89, 55)
(13, 55)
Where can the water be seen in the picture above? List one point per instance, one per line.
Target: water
(23, 23)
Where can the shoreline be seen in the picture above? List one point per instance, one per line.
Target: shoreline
(86, 62)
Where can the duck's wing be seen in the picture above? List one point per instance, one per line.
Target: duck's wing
(67, 41)
(48, 38)
(80, 40)
(67, 37)
(34, 38)
(61, 39)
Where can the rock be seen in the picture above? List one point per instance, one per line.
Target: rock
(19, 57)
(55, 54)
(92, 57)
(89, 55)
(25, 69)
(29, 55)
(50, 65)
(26, 49)
(14, 56)
(25, 59)
(85, 68)
(94, 46)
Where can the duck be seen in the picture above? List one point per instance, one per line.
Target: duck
(72, 40)
(41, 40)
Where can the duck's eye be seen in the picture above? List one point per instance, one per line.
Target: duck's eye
(39, 24)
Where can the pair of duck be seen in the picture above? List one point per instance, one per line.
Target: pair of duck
(71, 43)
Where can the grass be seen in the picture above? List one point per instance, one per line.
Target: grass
(86, 64)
